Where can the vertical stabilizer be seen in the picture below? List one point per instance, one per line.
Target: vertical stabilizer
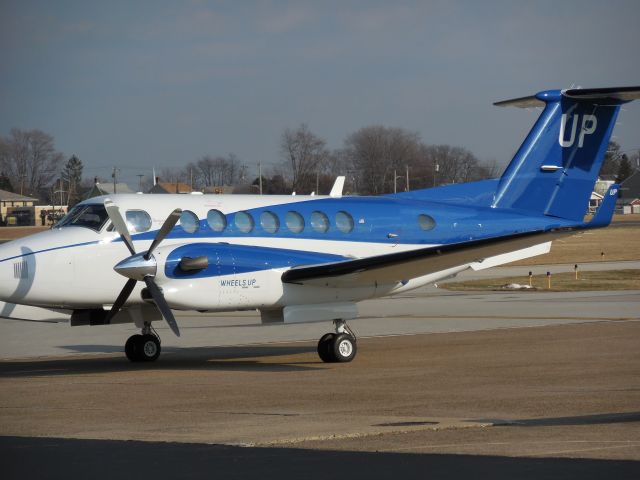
(555, 169)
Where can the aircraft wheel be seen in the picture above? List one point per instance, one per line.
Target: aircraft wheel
(148, 348)
(343, 348)
(132, 347)
(324, 348)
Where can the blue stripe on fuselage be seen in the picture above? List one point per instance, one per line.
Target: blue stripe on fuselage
(226, 259)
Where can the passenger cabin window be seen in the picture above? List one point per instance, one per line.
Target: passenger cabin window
(189, 221)
(319, 222)
(244, 222)
(344, 222)
(92, 216)
(138, 221)
(426, 222)
(269, 222)
(216, 220)
(294, 221)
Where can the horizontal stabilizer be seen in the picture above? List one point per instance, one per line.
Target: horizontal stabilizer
(522, 102)
(597, 96)
(604, 95)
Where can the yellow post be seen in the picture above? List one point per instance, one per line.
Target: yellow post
(530, 275)
(575, 268)
(549, 280)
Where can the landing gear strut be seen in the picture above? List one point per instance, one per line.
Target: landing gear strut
(144, 347)
(338, 347)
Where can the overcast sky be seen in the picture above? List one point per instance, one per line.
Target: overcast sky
(162, 83)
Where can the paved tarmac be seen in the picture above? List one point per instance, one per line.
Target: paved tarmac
(445, 385)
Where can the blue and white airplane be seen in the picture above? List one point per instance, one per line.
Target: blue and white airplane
(135, 258)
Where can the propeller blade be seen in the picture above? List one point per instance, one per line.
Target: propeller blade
(124, 295)
(166, 227)
(121, 227)
(161, 303)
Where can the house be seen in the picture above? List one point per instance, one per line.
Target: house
(16, 206)
(595, 201)
(630, 193)
(171, 187)
(107, 189)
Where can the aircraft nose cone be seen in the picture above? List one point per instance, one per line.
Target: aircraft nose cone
(137, 267)
(17, 272)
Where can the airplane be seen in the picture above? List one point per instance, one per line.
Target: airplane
(133, 258)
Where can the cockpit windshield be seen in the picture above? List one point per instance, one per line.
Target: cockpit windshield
(92, 216)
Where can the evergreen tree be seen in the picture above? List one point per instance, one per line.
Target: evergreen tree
(624, 170)
(72, 176)
(5, 183)
(611, 162)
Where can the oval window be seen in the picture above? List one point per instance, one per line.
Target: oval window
(138, 221)
(319, 222)
(344, 222)
(294, 221)
(216, 220)
(189, 221)
(269, 222)
(244, 222)
(426, 222)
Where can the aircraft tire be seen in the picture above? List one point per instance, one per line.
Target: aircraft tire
(132, 347)
(324, 348)
(148, 348)
(343, 348)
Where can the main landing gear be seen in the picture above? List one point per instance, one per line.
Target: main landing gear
(144, 347)
(338, 347)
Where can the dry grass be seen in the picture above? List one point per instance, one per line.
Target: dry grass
(11, 233)
(618, 243)
(561, 282)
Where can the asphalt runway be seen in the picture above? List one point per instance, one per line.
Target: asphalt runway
(445, 385)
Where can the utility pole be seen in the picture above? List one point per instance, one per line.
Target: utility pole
(436, 168)
(395, 181)
(406, 185)
(140, 181)
(317, 182)
(260, 176)
(113, 175)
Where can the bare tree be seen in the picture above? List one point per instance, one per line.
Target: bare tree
(305, 153)
(30, 158)
(454, 164)
(375, 152)
(210, 170)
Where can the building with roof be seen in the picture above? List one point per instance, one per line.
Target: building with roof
(107, 189)
(171, 187)
(10, 203)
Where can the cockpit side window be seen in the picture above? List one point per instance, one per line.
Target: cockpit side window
(88, 216)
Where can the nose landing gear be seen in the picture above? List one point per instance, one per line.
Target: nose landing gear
(338, 347)
(144, 347)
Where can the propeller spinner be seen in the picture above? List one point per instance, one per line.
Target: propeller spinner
(141, 267)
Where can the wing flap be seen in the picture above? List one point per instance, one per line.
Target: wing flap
(401, 266)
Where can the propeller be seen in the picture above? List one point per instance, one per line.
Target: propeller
(141, 267)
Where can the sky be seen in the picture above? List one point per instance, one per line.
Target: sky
(143, 84)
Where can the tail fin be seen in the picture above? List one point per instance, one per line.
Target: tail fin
(555, 169)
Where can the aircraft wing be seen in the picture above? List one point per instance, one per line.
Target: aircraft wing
(401, 266)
